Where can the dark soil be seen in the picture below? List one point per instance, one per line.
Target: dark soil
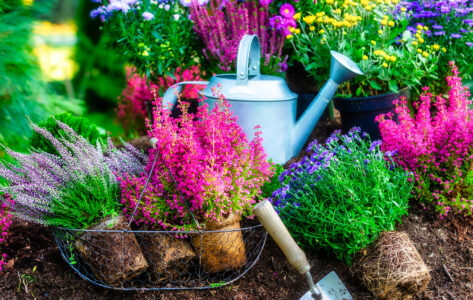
(36, 269)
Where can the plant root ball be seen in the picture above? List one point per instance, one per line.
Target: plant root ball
(392, 268)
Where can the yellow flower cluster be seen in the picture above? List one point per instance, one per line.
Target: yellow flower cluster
(385, 56)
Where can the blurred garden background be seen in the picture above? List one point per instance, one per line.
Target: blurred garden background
(55, 60)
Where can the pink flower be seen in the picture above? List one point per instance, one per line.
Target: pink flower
(287, 10)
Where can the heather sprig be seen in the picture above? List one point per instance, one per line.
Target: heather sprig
(437, 148)
(216, 169)
(342, 195)
(5, 222)
(222, 24)
(74, 189)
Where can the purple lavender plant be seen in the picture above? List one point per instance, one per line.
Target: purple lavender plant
(74, 189)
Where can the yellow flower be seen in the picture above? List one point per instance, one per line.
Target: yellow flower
(291, 29)
(298, 31)
(421, 40)
(393, 58)
(420, 27)
(384, 22)
(368, 7)
(320, 20)
(444, 50)
(414, 43)
(297, 16)
(419, 51)
(403, 9)
(380, 32)
(321, 31)
(373, 43)
(365, 57)
(311, 28)
(289, 36)
(365, 2)
(418, 36)
(391, 23)
(329, 2)
(425, 54)
(426, 28)
(309, 19)
(436, 47)
(385, 65)
(145, 53)
(395, 1)
(338, 11)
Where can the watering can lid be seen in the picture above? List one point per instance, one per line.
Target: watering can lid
(248, 84)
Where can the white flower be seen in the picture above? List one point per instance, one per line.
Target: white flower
(176, 17)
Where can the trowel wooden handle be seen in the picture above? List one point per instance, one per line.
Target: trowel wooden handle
(266, 214)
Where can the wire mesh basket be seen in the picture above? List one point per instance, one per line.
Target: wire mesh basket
(113, 255)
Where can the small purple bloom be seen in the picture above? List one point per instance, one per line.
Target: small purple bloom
(437, 27)
(282, 66)
(148, 16)
(439, 33)
(469, 44)
(456, 35)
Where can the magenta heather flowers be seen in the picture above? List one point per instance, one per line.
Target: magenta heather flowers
(5, 222)
(217, 170)
(437, 148)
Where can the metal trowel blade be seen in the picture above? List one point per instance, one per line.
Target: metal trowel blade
(331, 287)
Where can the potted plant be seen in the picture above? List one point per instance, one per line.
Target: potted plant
(216, 176)
(367, 32)
(342, 195)
(79, 190)
(436, 148)
(154, 37)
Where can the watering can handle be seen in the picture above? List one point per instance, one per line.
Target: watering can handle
(248, 58)
(170, 96)
(270, 220)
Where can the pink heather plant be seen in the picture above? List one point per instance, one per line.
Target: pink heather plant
(215, 167)
(223, 24)
(437, 148)
(5, 222)
(131, 109)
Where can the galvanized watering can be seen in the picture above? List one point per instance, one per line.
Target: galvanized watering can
(267, 101)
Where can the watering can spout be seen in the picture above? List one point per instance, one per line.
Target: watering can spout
(342, 69)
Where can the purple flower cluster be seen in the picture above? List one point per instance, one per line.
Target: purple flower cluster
(447, 19)
(285, 20)
(106, 10)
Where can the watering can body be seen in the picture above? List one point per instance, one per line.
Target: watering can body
(266, 101)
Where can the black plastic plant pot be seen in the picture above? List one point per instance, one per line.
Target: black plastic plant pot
(361, 112)
(111, 251)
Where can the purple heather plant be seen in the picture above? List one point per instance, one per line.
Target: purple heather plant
(74, 189)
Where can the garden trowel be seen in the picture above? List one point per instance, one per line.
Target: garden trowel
(330, 287)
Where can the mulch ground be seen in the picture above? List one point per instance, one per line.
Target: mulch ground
(445, 245)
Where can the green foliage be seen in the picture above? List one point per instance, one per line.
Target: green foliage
(270, 186)
(101, 74)
(85, 202)
(342, 196)
(21, 88)
(79, 124)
